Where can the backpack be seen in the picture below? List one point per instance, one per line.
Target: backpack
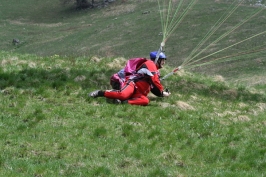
(118, 79)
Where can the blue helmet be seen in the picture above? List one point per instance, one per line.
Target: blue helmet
(154, 53)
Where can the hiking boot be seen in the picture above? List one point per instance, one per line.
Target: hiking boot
(94, 94)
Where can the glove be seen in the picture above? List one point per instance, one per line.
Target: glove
(166, 93)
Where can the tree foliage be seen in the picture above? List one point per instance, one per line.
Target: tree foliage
(83, 4)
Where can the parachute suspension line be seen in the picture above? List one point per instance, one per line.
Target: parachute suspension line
(169, 25)
(228, 47)
(170, 18)
(215, 27)
(158, 52)
(162, 18)
(177, 20)
(229, 58)
(165, 18)
(218, 60)
(222, 36)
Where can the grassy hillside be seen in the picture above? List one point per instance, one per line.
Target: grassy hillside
(49, 28)
(213, 124)
(49, 127)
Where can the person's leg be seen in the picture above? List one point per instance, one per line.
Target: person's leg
(123, 94)
(138, 99)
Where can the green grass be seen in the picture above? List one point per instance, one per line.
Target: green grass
(50, 128)
(121, 29)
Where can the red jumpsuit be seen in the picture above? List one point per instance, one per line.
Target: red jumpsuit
(138, 86)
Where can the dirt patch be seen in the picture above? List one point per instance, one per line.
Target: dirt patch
(80, 78)
(117, 63)
(227, 113)
(261, 106)
(256, 80)
(165, 105)
(184, 106)
(49, 25)
(243, 105)
(96, 59)
(32, 64)
(8, 61)
(241, 118)
(219, 78)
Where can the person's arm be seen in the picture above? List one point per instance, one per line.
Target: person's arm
(157, 87)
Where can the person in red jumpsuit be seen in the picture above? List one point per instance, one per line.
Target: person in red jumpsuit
(137, 86)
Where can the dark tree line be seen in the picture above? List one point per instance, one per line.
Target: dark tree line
(83, 4)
